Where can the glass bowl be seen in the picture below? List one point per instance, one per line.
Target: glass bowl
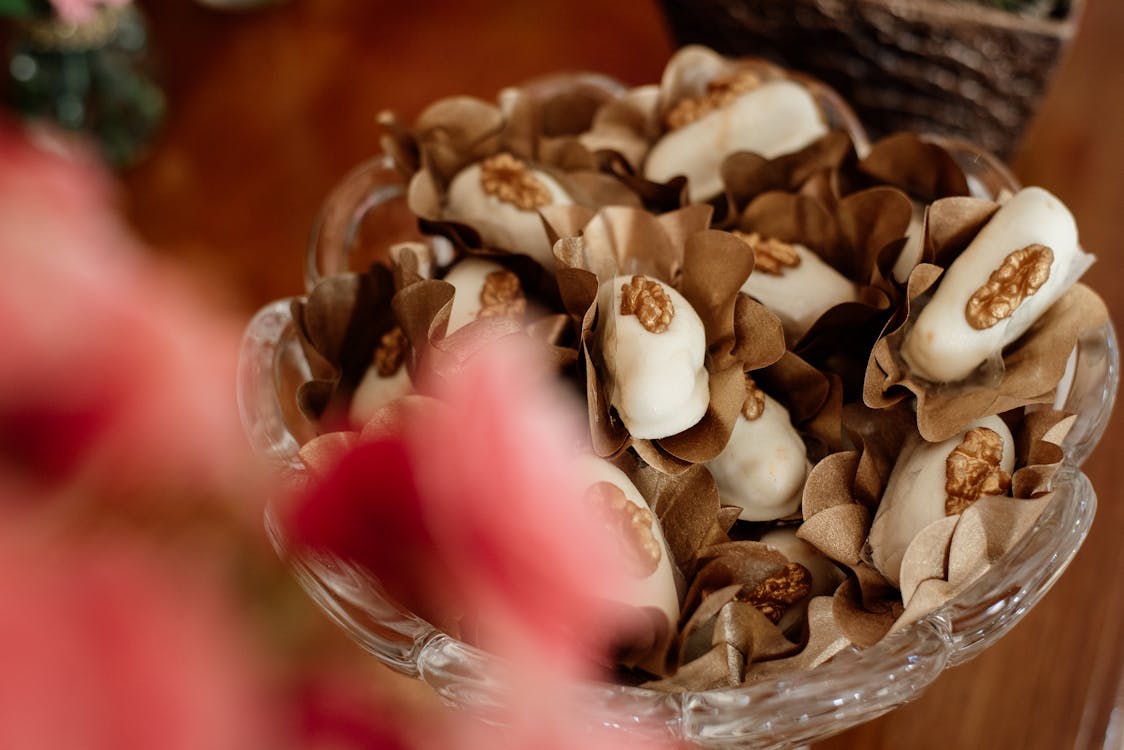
(854, 686)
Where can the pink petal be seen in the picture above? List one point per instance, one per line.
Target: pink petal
(116, 373)
(108, 646)
(497, 473)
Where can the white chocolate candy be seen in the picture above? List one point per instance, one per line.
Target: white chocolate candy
(421, 254)
(502, 223)
(917, 493)
(778, 117)
(1065, 385)
(763, 466)
(800, 294)
(469, 277)
(914, 240)
(376, 391)
(657, 381)
(826, 575)
(943, 345)
(622, 137)
(646, 541)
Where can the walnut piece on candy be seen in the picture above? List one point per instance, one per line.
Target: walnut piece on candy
(754, 405)
(1021, 274)
(771, 256)
(973, 470)
(631, 524)
(391, 352)
(502, 296)
(617, 501)
(509, 180)
(778, 592)
(825, 576)
(719, 92)
(647, 300)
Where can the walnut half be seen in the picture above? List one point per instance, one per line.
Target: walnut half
(770, 256)
(631, 523)
(1019, 276)
(719, 92)
(509, 180)
(972, 470)
(502, 296)
(391, 352)
(647, 300)
(754, 404)
(780, 591)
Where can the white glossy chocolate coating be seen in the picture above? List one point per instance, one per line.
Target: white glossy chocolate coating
(942, 346)
(915, 494)
(777, 118)
(622, 137)
(800, 295)
(502, 224)
(376, 391)
(657, 381)
(826, 575)
(914, 242)
(468, 277)
(763, 467)
(658, 589)
(422, 255)
(1065, 385)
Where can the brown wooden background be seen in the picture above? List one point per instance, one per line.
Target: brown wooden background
(268, 109)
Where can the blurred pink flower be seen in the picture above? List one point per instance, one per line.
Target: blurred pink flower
(108, 645)
(337, 712)
(80, 11)
(474, 505)
(115, 373)
(123, 630)
(117, 378)
(382, 529)
(505, 503)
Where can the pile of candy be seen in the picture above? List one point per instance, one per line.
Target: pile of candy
(822, 376)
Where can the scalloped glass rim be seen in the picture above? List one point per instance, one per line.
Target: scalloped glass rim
(853, 687)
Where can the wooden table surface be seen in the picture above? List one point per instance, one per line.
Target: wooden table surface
(269, 108)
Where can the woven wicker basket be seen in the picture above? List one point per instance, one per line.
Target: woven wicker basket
(929, 65)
